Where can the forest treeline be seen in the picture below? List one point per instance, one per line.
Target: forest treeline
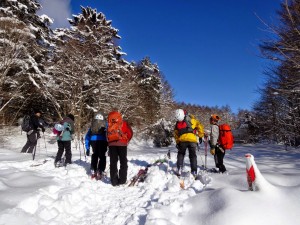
(82, 70)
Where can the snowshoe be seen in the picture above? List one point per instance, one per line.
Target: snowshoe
(212, 170)
(177, 172)
(58, 164)
(98, 175)
(195, 175)
(93, 174)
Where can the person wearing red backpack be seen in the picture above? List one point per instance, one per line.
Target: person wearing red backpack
(215, 149)
(118, 135)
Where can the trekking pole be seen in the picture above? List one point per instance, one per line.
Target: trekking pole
(34, 150)
(45, 144)
(169, 154)
(200, 153)
(168, 162)
(205, 150)
(33, 153)
(78, 146)
(84, 150)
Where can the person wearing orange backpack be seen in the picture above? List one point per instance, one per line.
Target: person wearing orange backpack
(186, 130)
(118, 134)
(215, 149)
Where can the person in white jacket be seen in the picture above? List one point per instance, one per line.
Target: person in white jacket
(215, 148)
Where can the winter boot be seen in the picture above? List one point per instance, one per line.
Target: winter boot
(98, 175)
(178, 172)
(93, 174)
(194, 173)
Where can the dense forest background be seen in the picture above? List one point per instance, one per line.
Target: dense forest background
(81, 70)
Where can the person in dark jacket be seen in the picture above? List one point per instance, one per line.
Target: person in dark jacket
(64, 141)
(96, 137)
(34, 134)
(118, 150)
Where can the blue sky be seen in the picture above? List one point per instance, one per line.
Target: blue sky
(207, 50)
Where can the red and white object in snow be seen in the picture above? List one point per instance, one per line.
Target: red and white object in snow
(250, 171)
(256, 181)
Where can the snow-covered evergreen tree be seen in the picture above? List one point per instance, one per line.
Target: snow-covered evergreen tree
(279, 107)
(149, 80)
(87, 68)
(24, 45)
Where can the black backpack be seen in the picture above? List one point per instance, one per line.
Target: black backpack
(26, 124)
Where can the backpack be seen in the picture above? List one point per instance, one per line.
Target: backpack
(185, 126)
(98, 126)
(226, 138)
(26, 124)
(114, 128)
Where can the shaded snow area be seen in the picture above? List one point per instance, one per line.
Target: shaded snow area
(34, 192)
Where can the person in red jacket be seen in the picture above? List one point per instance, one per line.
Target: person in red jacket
(119, 134)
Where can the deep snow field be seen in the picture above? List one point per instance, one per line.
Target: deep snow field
(31, 193)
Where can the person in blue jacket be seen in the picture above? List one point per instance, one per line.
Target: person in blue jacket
(96, 137)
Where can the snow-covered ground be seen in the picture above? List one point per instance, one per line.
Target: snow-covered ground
(31, 194)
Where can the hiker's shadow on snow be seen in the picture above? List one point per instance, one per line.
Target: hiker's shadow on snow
(86, 165)
(139, 162)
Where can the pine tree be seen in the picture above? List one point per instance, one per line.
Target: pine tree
(279, 107)
(87, 66)
(149, 81)
(23, 50)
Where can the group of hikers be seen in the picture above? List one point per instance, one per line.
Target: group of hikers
(113, 133)
(189, 132)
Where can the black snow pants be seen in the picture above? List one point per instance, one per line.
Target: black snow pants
(219, 156)
(98, 162)
(118, 153)
(31, 142)
(192, 147)
(64, 146)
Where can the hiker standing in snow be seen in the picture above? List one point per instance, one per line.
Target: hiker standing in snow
(215, 148)
(64, 140)
(96, 137)
(34, 133)
(186, 130)
(119, 134)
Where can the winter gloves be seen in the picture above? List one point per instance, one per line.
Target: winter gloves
(88, 152)
(200, 141)
(212, 151)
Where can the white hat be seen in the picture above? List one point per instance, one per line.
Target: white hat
(179, 115)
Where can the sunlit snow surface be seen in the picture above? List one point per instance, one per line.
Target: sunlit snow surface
(31, 194)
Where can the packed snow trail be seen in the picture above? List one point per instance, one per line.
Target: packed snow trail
(72, 197)
(44, 194)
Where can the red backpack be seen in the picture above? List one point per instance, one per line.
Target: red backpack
(226, 138)
(114, 129)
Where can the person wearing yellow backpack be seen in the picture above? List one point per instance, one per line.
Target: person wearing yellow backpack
(186, 130)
